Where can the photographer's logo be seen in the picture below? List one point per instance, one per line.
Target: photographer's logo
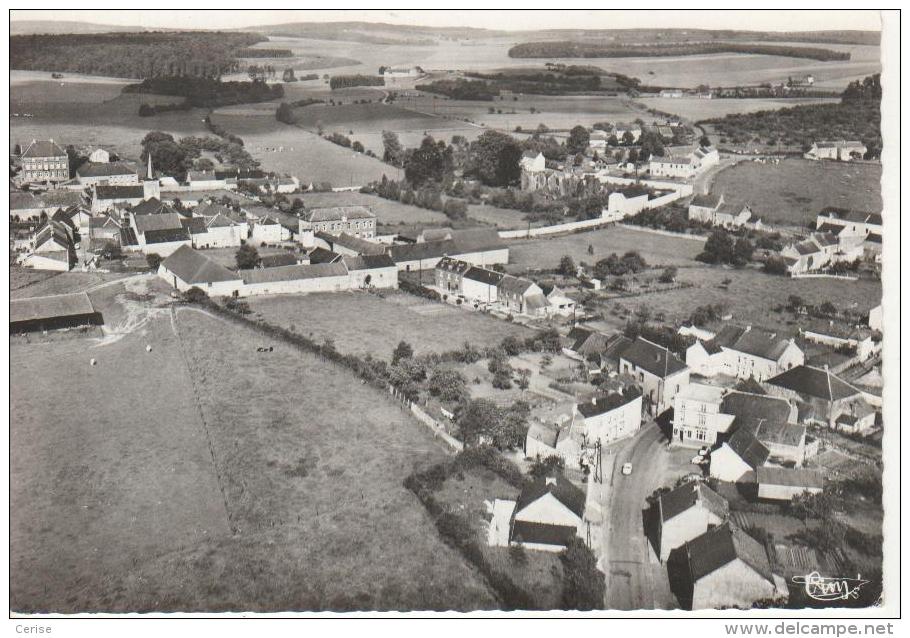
(829, 589)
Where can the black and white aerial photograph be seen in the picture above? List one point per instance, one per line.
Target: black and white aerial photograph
(413, 313)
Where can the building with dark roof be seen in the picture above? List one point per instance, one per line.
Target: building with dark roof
(358, 221)
(748, 405)
(612, 417)
(659, 372)
(548, 513)
(736, 460)
(186, 268)
(52, 313)
(301, 279)
(744, 352)
(825, 394)
(687, 512)
(113, 173)
(725, 567)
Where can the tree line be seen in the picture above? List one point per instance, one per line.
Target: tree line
(208, 92)
(346, 81)
(263, 53)
(571, 49)
(204, 54)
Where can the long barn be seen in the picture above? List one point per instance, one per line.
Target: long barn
(52, 313)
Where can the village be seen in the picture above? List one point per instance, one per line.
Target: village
(609, 377)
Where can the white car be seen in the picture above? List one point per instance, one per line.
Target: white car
(627, 469)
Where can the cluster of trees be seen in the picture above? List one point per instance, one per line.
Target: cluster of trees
(345, 81)
(857, 116)
(429, 196)
(202, 54)
(285, 111)
(579, 80)
(263, 53)
(629, 264)
(575, 49)
(175, 158)
(147, 110)
(725, 248)
(208, 92)
(483, 420)
(461, 89)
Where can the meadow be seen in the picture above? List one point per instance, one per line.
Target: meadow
(750, 295)
(238, 486)
(362, 323)
(657, 250)
(793, 192)
(694, 109)
(90, 112)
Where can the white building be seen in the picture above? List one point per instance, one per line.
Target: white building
(548, 513)
(186, 268)
(358, 221)
(685, 167)
(782, 484)
(533, 162)
(686, 513)
(697, 416)
(738, 457)
(659, 372)
(610, 418)
(711, 209)
(744, 352)
(840, 150)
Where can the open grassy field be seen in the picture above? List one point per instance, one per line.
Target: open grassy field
(362, 323)
(222, 480)
(90, 112)
(793, 192)
(289, 149)
(656, 249)
(750, 296)
(109, 474)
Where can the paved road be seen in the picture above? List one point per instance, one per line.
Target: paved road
(634, 579)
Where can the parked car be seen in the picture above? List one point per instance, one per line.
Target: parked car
(627, 469)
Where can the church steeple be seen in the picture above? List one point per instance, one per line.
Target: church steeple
(151, 174)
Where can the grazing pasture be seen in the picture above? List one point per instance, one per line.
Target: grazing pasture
(657, 250)
(793, 192)
(238, 487)
(362, 323)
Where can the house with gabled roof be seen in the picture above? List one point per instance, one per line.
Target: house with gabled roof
(737, 459)
(585, 344)
(747, 404)
(161, 233)
(725, 567)
(711, 209)
(786, 442)
(44, 161)
(114, 173)
(481, 285)
(186, 268)
(548, 513)
(223, 231)
(521, 296)
(659, 372)
(533, 162)
(686, 513)
(268, 230)
(825, 395)
(358, 221)
(549, 439)
(744, 352)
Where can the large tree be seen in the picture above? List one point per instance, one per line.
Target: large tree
(579, 137)
(168, 157)
(494, 159)
(430, 162)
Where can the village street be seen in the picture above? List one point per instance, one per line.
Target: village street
(635, 580)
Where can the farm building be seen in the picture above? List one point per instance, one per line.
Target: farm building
(105, 197)
(697, 416)
(659, 372)
(345, 244)
(584, 343)
(686, 513)
(744, 352)
(371, 271)
(268, 230)
(52, 313)
(840, 150)
(186, 268)
(548, 513)
(782, 484)
(711, 209)
(858, 419)
(855, 222)
(611, 418)
(113, 173)
(725, 567)
(302, 278)
(549, 439)
(685, 167)
(824, 395)
(785, 442)
(838, 335)
(478, 247)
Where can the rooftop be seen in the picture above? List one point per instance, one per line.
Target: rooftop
(814, 382)
(195, 268)
(36, 308)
